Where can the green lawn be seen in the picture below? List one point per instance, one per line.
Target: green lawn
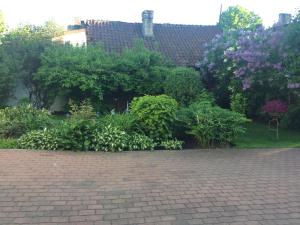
(259, 136)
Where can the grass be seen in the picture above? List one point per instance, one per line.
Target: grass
(259, 136)
(8, 143)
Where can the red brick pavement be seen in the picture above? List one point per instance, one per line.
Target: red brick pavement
(246, 187)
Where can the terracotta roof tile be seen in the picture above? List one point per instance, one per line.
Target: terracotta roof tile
(183, 44)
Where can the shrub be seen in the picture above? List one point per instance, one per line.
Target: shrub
(212, 125)
(41, 139)
(83, 110)
(238, 103)
(124, 121)
(110, 139)
(172, 144)
(183, 84)
(15, 121)
(77, 131)
(154, 115)
(275, 107)
(291, 118)
(140, 142)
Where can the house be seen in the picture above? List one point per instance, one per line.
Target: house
(182, 44)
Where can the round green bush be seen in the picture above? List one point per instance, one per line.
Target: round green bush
(183, 84)
(155, 115)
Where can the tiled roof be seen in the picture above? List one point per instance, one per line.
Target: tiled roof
(183, 44)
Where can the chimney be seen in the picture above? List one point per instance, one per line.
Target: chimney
(147, 17)
(284, 18)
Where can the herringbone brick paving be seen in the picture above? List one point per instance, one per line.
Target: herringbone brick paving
(221, 187)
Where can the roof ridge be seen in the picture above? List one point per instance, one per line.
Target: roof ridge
(92, 21)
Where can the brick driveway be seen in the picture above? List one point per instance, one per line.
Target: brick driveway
(158, 188)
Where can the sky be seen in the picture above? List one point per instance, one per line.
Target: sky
(203, 12)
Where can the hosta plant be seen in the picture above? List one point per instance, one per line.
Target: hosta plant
(172, 144)
(138, 142)
(41, 139)
(110, 139)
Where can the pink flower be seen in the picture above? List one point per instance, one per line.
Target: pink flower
(275, 106)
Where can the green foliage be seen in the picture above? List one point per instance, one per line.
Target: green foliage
(2, 23)
(124, 121)
(90, 72)
(113, 139)
(8, 143)
(291, 118)
(75, 71)
(79, 128)
(20, 54)
(183, 84)
(238, 103)
(155, 115)
(212, 125)
(292, 50)
(145, 70)
(140, 142)
(41, 139)
(172, 144)
(110, 139)
(15, 121)
(84, 110)
(237, 17)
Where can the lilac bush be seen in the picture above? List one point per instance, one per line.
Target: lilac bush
(258, 55)
(252, 62)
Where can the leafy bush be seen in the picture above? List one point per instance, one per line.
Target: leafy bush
(140, 142)
(212, 125)
(238, 103)
(124, 121)
(78, 130)
(291, 118)
(110, 139)
(183, 84)
(172, 144)
(83, 110)
(155, 115)
(15, 121)
(41, 139)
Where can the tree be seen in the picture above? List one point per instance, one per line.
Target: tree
(237, 17)
(80, 72)
(248, 62)
(291, 62)
(2, 23)
(20, 54)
